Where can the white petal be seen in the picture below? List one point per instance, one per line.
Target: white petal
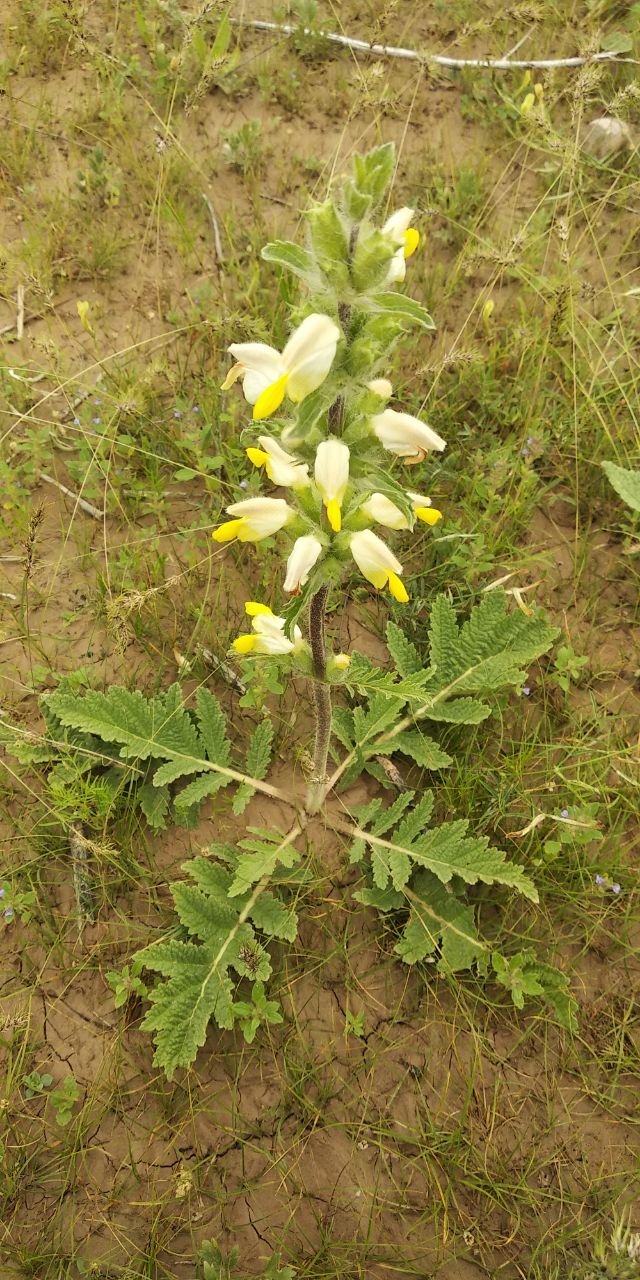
(265, 624)
(283, 469)
(397, 268)
(419, 500)
(309, 354)
(404, 434)
(331, 469)
(259, 358)
(398, 223)
(303, 556)
(273, 645)
(373, 557)
(381, 509)
(263, 515)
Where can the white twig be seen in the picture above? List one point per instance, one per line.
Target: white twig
(216, 231)
(438, 59)
(20, 311)
(80, 502)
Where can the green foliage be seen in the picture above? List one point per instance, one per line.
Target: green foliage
(148, 743)
(217, 946)
(626, 483)
(523, 975)
(488, 652)
(127, 984)
(35, 1083)
(63, 1100)
(219, 1266)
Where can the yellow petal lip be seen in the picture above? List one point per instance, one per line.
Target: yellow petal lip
(254, 609)
(334, 515)
(398, 589)
(244, 644)
(430, 515)
(411, 241)
(270, 399)
(258, 457)
(227, 531)
(232, 376)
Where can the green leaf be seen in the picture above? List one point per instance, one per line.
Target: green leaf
(422, 749)
(446, 850)
(458, 711)
(197, 989)
(401, 308)
(439, 919)
(373, 172)
(213, 727)
(259, 752)
(154, 802)
(223, 37)
(405, 656)
(625, 482)
(293, 258)
(276, 920)
(208, 784)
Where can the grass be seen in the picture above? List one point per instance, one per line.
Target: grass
(398, 1122)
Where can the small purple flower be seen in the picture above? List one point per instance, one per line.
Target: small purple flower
(531, 440)
(526, 689)
(600, 880)
(1, 893)
(177, 413)
(196, 408)
(76, 422)
(97, 421)
(564, 813)
(244, 484)
(8, 915)
(615, 888)
(97, 400)
(524, 452)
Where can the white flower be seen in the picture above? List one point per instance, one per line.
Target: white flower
(303, 365)
(378, 564)
(381, 509)
(281, 467)
(405, 435)
(380, 387)
(268, 633)
(304, 553)
(406, 237)
(331, 474)
(255, 518)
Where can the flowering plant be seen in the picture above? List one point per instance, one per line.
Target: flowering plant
(332, 433)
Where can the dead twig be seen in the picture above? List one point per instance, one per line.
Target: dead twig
(436, 59)
(80, 502)
(217, 239)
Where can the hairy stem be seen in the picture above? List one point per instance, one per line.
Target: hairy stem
(321, 699)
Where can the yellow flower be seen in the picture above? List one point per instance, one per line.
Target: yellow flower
(268, 375)
(255, 518)
(378, 564)
(267, 636)
(331, 475)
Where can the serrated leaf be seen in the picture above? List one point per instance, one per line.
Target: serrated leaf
(259, 753)
(626, 483)
(196, 990)
(401, 308)
(208, 784)
(276, 920)
(457, 711)
(213, 727)
(422, 749)
(446, 850)
(154, 802)
(406, 658)
(439, 920)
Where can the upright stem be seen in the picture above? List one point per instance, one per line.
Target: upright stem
(317, 608)
(322, 701)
